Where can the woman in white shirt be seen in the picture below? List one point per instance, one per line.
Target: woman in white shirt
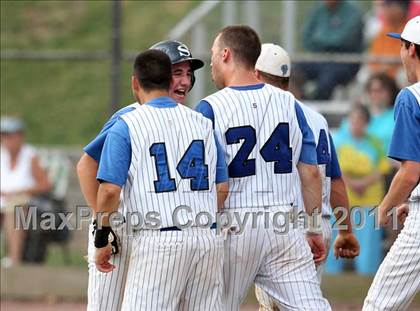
(21, 177)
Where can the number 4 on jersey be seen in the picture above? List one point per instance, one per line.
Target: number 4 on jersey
(276, 149)
(191, 166)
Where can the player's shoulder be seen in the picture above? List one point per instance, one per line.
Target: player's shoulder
(415, 91)
(195, 115)
(125, 110)
(281, 95)
(409, 97)
(229, 94)
(120, 113)
(219, 97)
(313, 115)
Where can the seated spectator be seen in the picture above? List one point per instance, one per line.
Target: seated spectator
(394, 17)
(363, 164)
(21, 178)
(332, 27)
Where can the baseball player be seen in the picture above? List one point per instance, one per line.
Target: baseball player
(398, 278)
(105, 291)
(266, 140)
(162, 157)
(273, 66)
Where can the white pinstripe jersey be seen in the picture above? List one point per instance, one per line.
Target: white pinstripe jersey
(167, 143)
(259, 132)
(415, 90)
(319, 127)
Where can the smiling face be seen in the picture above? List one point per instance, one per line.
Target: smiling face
(181, 81)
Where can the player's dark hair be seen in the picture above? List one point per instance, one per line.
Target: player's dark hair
(387, 83)
(362, 109)
(407, 45)
(281, 82)
(244, 43)
(153, 70)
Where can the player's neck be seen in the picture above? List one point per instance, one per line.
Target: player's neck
(146, 97)
(417, 71)
(241, 77)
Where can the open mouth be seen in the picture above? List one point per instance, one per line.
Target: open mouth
(180, 92)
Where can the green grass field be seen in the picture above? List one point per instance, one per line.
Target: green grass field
(66, 102)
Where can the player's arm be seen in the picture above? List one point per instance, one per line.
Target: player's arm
(345, 244)
(309, 174)
(112, 175)
(113, 169)
(87, 169)
(206, 110)
(402, 184)
(311, 184)
(222, 194)
(339, 199)
(222, 186)
(310, 178)
(404, 147)
(340, 204)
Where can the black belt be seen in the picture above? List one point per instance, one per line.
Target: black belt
(175, 228)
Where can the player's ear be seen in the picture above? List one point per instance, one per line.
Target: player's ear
(226, 54)
(135, 84)
(412, 50)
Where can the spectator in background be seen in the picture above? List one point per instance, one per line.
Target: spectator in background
(362, 160)
(363, 164)
(394, 18)
(21, 178)
(332, 27)
(413, 9)
(381, 91)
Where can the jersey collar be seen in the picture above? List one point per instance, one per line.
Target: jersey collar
(162, 102)
(248, 87)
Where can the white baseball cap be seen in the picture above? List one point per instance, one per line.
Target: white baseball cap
(274, 60)
(10, 125)
(411, 32)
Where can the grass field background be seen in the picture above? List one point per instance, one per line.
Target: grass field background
(66, 102)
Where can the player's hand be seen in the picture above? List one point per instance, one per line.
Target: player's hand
(402, 212)
(316, 243)
(346, 246)
(383, 218)
(102, 257)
